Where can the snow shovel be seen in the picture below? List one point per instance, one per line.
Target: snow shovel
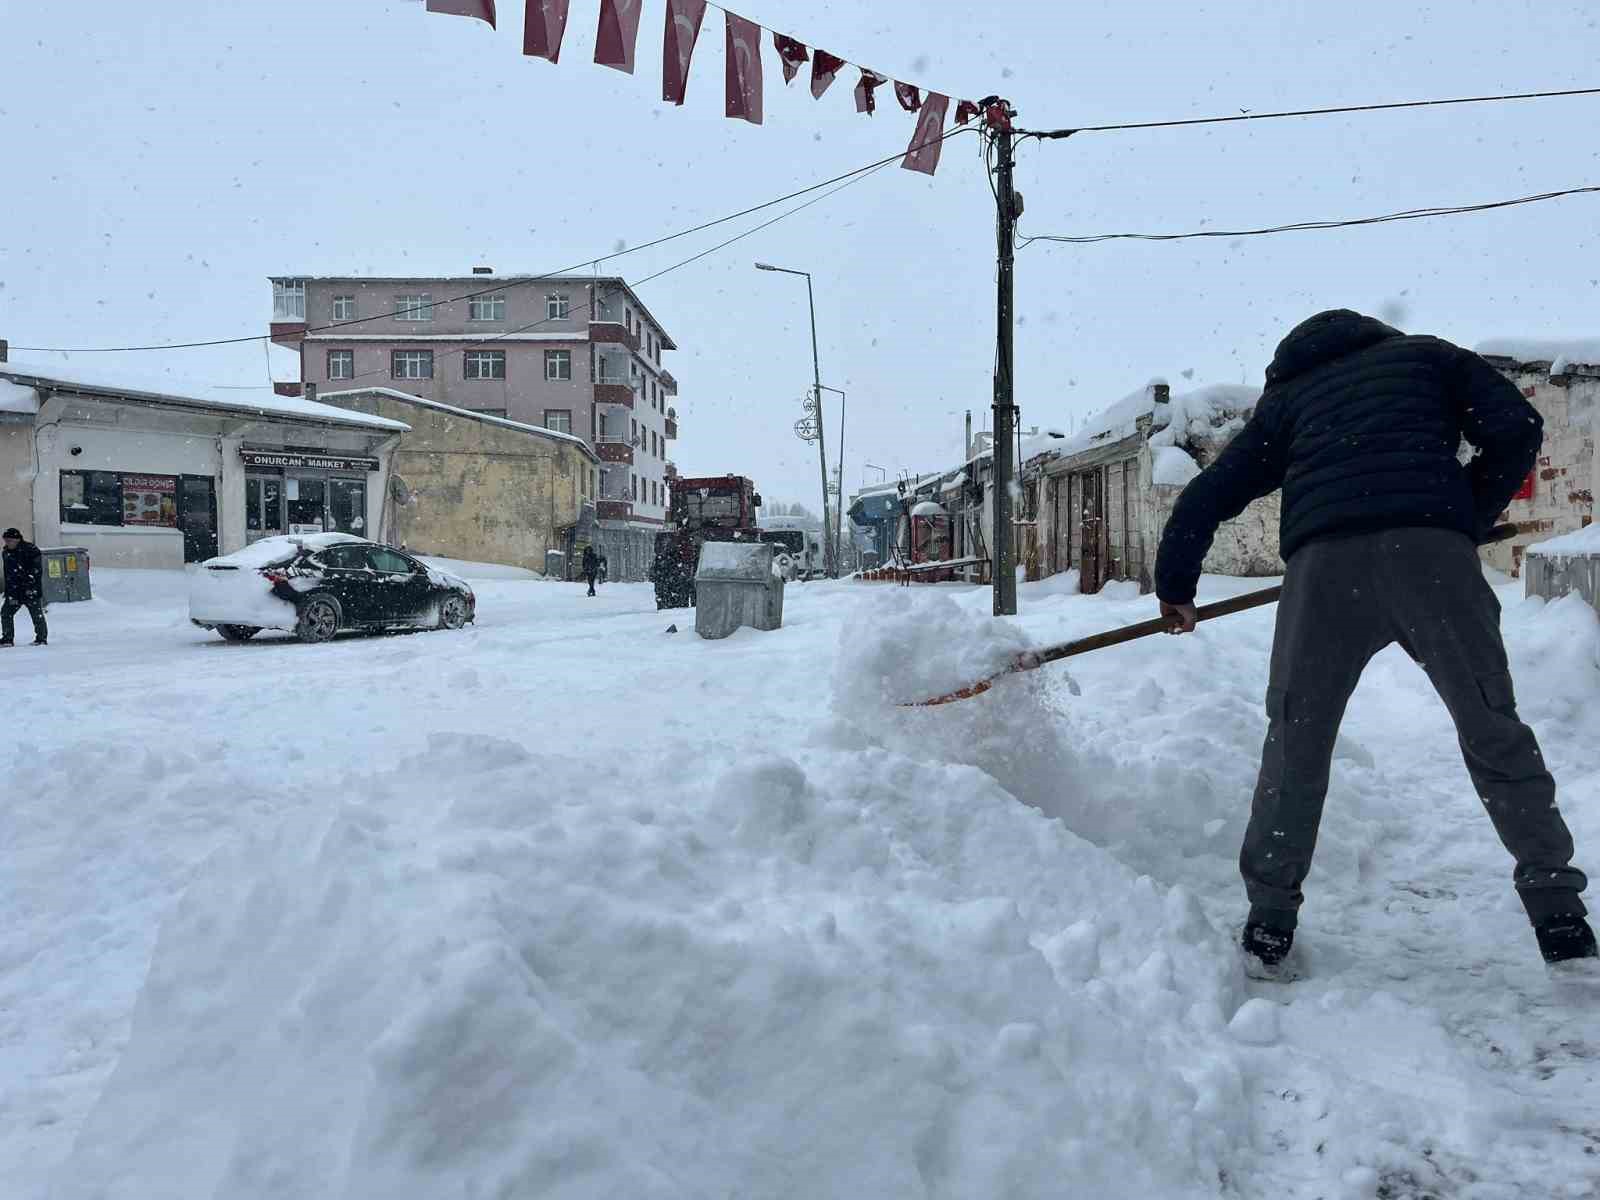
(1033, 659)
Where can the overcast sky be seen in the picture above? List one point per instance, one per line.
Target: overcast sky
(160, 160)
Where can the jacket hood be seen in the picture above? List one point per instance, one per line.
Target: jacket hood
(1323, 338)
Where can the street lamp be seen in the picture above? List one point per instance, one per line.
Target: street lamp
(838, 511)
(829, 549)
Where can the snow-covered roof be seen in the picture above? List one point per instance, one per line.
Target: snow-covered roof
(1580, 542)
(487, 339)
(159, 387)
(17, 399)
(1560, 353)
(487, 418)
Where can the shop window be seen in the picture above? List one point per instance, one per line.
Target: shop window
(486, 308)
(411, 364)
(91, 498)
(305, 504)
(558, 419)
(558, 364)
(341, 364)
(150, 500)
(485, 364)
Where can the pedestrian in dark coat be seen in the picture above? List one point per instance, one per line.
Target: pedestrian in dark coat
(591, 566)
(1361, 426)
(24, 570)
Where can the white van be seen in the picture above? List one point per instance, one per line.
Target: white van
(796, 553)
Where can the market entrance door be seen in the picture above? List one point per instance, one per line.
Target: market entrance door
(197, 517)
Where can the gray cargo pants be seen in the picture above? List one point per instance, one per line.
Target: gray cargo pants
(1344, 599)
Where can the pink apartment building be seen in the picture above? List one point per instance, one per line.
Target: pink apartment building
(579, 355)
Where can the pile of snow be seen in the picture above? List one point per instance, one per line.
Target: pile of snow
(467, 569)
(918, 646)
(1561, 354)
(1215, 412)
(1172, 467)
(271, 551)
(17, 399)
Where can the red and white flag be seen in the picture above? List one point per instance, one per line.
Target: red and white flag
(792, 54)
(483, 10)
(910, 99)
(683, 31)
(618, 35)
(965, 111)
(928, 141)
(744, 68)
(543, 29)
(865, 101)
(824, 67)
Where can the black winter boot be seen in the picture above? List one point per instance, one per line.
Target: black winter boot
(1266, 943)
(1564, 937)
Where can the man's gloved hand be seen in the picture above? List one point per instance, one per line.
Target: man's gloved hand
(1181, 618)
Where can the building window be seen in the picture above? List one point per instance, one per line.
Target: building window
(411, 364)
(341, 364)
(633, 482)
(484, 364)
(558, 364)
(633, 432)
(415, 307)
(116, 498)
(344, 308)
(557, 306)
(558, 419)
(655, 494)
(288, 299)
(486, 308)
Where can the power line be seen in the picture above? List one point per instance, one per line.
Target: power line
(1412, 214)
(1304, 112)
(505, 286)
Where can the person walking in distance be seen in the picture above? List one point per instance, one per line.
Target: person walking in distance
(24, 571)
(1361, 425)
(591, 566)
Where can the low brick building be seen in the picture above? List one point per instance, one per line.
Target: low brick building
(467, 485)
(1562, 381)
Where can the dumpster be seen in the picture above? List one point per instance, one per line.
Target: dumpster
(66, 573)
(735, 585)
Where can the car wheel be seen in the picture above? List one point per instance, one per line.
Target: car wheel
(319, 620)
(452, 612)
(238, 633)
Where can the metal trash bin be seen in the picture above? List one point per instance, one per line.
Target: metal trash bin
(735, 585)
(555, 564)
(66, 573)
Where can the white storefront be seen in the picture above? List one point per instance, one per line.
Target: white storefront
(147, 476)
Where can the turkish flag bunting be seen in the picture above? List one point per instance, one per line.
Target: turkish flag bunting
(824, 67)
(965, 111)
(683, 30)
(907, 94)
(618, 34)
(543, 28)
(865, 101)
(928, 141)
(481, 9)
(792, 54)
(744, 68)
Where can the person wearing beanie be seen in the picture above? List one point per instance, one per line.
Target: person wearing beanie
(24, 571)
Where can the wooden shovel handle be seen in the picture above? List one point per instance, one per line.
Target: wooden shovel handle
(1129, 633)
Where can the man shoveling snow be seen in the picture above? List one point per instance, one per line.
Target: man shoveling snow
(1360, 426)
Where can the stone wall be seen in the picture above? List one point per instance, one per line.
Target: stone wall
(482, 490)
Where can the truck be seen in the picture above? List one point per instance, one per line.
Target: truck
(707, 508)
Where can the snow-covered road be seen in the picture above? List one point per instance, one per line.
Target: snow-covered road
(567, 906)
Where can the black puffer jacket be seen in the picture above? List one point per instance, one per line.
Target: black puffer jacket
(24, 571)
(1360, 425)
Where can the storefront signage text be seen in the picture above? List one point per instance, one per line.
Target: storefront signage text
(315, 462)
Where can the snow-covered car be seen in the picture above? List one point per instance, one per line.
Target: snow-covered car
(796, 553)
(318, 585)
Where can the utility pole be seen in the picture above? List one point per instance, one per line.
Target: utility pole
(998, 114)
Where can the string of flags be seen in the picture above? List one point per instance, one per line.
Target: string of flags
(616, 44)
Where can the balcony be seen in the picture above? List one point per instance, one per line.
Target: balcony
(614, 393)
(613, 510)
(668, 383)
(287, 333)
(614, 332)
(672, 428)
(614, 449)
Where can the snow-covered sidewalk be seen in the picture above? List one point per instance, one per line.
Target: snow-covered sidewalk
(566, 906)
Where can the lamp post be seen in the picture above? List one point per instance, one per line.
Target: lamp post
(838, 512)
(829, 557)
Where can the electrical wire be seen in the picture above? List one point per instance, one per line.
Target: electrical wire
(1046, 135)
(1413, 214)
(507, 285)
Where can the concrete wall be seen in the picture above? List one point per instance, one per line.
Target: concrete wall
(477, 490)
(1245, 546)
(16, 474)
(1564, 478)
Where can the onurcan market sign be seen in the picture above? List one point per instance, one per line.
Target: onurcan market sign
(315, 462)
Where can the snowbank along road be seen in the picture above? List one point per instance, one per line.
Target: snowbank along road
(564, 906)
